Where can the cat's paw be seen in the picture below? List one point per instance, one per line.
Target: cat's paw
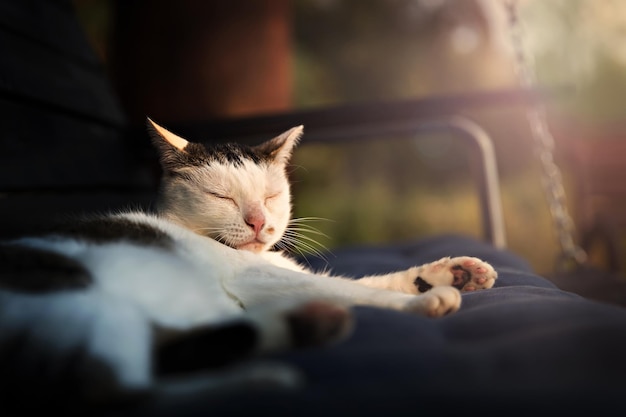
(317, 323)
(437, 302)
(471, 274)
(464, 272)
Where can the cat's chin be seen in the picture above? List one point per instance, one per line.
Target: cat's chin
(254, 246)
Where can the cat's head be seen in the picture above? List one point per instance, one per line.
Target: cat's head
(233, 193)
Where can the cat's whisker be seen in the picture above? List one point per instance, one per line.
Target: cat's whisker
(310, 218)
(299, 225)
(295, 241)
(292, 247)
(209, 229)
(313, 251)
(289, 246)
(302, 221)
(304, 230)
(298, 235)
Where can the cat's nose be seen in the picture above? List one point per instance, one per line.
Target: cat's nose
(256, 221)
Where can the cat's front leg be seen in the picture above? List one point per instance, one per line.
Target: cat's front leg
(438, 302)
(464, 273)
(269, 285)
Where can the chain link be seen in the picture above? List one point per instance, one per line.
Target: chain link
(572, 255)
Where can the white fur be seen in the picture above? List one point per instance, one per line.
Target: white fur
(53, 326)
(200, 282)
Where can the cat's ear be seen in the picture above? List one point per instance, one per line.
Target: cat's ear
(280, 148)
(158, 134)
(171, 147)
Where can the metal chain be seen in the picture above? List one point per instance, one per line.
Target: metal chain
(572, 255)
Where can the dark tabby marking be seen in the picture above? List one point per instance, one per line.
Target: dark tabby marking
(108, 230)
(196, 154)
(461, 276)
(422, 285)
(33, 270)
(206, 348)
(234, 153)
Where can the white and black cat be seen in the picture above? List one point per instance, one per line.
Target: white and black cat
(119, 303)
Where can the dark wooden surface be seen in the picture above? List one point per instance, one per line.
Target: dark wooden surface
(64, 145)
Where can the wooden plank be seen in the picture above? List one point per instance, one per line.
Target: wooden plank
(45, 78)
(41, 148)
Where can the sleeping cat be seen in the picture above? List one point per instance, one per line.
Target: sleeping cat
(119, 304)
(240, 196)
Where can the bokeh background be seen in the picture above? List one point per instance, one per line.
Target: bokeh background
(194, 60)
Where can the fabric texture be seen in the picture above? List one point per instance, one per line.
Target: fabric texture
(523, 347)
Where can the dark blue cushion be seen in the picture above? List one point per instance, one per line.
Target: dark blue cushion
(522, 348)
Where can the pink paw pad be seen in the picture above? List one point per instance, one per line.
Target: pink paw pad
(473, 274)
(436, 267)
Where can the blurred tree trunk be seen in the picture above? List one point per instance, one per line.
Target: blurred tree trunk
(189, 60)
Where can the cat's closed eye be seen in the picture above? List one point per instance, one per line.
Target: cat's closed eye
(269, 198)
(220, 196)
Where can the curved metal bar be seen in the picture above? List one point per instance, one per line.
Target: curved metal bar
(487, 172)
(461, 127)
